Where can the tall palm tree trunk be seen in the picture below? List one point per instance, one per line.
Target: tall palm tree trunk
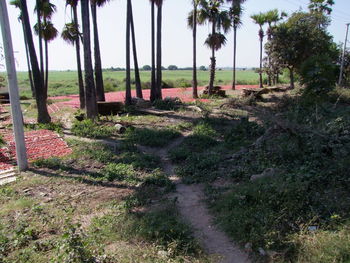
(159, 51)
(90, 92)
(43, 114)
(46, 81)
(30, 76)
(153, 72)
(98, 64)
(40, 37)
(261, 59)
(234, 57)
(77, 51)
(136, 64)
(194, 70)
(212, 64)
(128, 84)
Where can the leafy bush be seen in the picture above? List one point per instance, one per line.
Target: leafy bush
(167, 103)
(319, 75)
(91, 129)
(120, 172)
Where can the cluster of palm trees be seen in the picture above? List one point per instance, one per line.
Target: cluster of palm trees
(221, 21)
(91, 87)
(270, 18)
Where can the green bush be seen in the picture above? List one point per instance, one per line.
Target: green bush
(318, 74)
(91, 129)
(167, 103)
(119, 172)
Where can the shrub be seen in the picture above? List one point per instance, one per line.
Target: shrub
(91, 129)
(120, 172)
(318, 74)
(167, 103)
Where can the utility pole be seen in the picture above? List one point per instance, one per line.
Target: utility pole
(16, 112)
(343, 57)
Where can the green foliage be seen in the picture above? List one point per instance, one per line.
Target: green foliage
(73, 247)
(199, 167)
(120, 172)
(243, 133)
(161, 226)
(2, 141)
(167, 103)
(52, 126)
(310, 188)
(89, 128)
(319, 75)
(324, 246)
(152, 138)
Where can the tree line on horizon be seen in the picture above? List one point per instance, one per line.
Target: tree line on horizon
(285, 48)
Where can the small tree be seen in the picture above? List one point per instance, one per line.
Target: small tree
(303, 36)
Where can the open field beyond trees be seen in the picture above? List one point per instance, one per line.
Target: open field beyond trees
(65, 82)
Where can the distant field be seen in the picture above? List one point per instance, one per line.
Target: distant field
(65, 82)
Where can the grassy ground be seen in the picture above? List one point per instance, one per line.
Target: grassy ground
(297, 210)
(65, 82)
(94, 206)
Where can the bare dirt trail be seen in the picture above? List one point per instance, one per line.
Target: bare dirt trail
(190, 201)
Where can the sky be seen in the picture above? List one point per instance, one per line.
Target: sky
(177, 37)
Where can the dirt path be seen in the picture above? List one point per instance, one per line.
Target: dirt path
(190, 201)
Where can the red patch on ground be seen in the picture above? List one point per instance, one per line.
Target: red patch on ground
(40, 144)
(185, 94)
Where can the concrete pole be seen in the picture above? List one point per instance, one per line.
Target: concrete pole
(343, 57)
(16, 112)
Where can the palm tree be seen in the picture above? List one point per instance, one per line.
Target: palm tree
(90, 92)
(41, 97)
(260, 19)
(236, 13)
(17, 4)
(192, 23)
(153, 52)
(159, 4)
(136, 64)
(272, 17)
(71, 35)
(49, 33)
(46, 32)
(220, 20)
(38, 7)
(128, 82)
(98, 64)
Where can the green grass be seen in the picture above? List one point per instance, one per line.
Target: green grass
(91, 129)
(65, 82)
(151, 137)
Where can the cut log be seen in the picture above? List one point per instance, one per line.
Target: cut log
(120, 128)
(109, 108)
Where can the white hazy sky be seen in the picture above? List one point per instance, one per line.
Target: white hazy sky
(177, 38)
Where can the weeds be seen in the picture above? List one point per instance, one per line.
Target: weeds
(90, 129)
(152, 138)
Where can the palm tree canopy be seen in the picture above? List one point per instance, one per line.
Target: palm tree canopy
(49, 32)
(15, 3)
(211, 12)
(46, 8)
(100, 3)
(259, 19)
(72, 3)
(70, 33)
(216, 41)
